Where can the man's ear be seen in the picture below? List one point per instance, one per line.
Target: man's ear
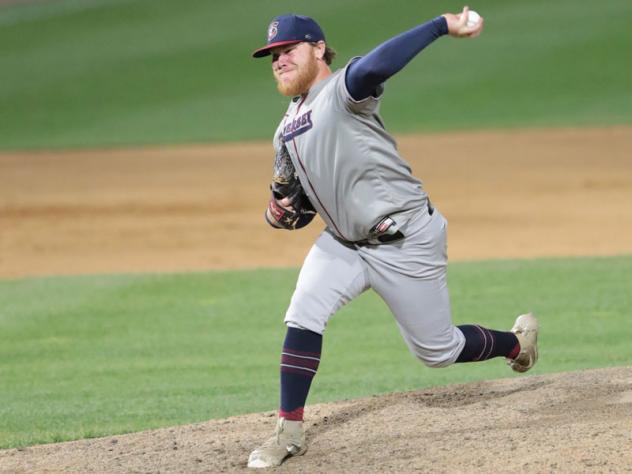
(320, 49)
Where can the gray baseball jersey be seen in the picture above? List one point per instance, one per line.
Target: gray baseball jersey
(353, 175)
(346, 161)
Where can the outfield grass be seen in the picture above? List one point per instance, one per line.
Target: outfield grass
(91, 356)
(118, 72)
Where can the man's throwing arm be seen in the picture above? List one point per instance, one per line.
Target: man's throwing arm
(366, 74)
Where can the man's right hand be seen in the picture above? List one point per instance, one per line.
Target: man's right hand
(457, 25)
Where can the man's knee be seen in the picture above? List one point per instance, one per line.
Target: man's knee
(439, 356)
(436, 361)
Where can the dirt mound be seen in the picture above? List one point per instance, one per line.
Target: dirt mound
(570, 422)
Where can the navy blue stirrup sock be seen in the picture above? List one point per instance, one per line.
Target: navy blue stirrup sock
(299, 363)
(483, 344)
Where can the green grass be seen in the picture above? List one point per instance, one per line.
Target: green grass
(119, 72)
(91, 356)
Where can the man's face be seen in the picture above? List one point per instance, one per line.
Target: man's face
(294, 67)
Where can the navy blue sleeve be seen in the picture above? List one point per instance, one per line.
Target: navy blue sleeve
(367, 73)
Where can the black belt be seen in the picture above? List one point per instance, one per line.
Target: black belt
(382, 238)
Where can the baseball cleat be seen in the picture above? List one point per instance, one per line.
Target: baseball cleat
(526, 330)
(288, 440)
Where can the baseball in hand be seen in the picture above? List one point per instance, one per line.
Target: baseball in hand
(472, 18)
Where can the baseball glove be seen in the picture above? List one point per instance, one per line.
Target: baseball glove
(289, 207)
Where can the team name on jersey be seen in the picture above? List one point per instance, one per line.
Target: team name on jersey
(298, 126)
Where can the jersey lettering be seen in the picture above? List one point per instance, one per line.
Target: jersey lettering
(298, 126)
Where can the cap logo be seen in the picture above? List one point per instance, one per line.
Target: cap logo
(272, 30)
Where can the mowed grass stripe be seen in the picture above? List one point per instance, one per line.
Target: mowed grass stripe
(125, 72)
(98, 355)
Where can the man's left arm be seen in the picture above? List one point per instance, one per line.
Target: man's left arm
(289, 207)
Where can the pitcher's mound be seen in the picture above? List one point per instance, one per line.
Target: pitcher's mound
(570, 422)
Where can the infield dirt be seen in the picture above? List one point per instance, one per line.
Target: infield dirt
(514, 194)
(517, 194)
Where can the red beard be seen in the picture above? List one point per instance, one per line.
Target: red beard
(301, 83)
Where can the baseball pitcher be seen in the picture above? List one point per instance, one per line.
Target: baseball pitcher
(334, 157)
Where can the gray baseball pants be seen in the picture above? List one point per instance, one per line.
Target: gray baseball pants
(409, 275)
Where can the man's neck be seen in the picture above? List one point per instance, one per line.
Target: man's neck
(323, 73)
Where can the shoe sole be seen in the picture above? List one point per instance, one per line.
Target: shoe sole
(261, 464)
